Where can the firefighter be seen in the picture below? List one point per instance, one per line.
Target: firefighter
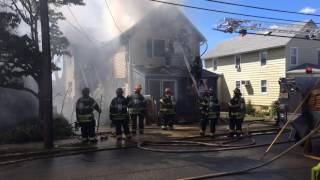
(276, 108)
(85, 117)
(167, 110)
(213, 111)
(196, 70)
(119, 114)
(204, 107)
(236, 113)
(137, 107)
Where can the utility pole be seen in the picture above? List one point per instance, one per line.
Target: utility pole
(45, 89)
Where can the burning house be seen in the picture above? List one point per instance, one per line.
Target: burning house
(149, 53)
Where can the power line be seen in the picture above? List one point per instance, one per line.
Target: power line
(227, 12)
(79, 26)
(262, 8)
(273, 35)
(114, 20)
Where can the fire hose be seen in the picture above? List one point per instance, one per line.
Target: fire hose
(242, 171)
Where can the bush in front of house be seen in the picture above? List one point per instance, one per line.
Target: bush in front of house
(250, 110)
(30, 130)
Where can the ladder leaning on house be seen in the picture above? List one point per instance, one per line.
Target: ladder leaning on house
(189, 69)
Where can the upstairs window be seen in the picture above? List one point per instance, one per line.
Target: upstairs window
(237, 61)
(215, 64)
(238, 84)
(158, 48)
(155, 48)
(263, 58)
(264, 87)
(293, 56)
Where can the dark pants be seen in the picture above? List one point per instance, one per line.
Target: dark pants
(204, 123)
(134, 118)
(235, 124)
(167, 120)
(121, 124)
(88, 129)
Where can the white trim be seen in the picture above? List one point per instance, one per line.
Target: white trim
(297, 56)
(264, 93)
(260, 56)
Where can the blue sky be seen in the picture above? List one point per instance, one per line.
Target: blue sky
(204, 21)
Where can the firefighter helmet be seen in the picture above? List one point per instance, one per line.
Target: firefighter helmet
(119, 91)
(237, 91)
(85, 91)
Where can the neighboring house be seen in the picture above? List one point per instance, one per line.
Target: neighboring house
(149, 54)
(255, 63)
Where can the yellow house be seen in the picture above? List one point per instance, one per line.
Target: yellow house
(255, 63)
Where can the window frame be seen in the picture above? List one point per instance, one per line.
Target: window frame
(297, 55)
(235, 61)
(266, 86)
(260, 57)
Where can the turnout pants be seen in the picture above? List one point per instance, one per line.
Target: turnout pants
(167, 120)
(235, 124)
(88, 129)
(122, 124)
(205, 121)
(134, 118)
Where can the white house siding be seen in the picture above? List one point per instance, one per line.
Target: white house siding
(252, 70)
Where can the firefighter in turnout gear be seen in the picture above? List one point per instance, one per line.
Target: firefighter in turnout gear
(85, 117)
(137, 108)
(167, 110)
(210, 112)
(236, 113)
(119, 114)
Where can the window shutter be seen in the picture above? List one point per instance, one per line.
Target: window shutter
(149, 48)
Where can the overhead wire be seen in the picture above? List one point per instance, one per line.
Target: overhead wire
(79, 26)
(227, 12)
(113, 19)
(263, 8)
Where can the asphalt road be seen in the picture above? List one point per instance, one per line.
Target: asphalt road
(137, 164)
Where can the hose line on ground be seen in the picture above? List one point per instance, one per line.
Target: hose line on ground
(242, 171)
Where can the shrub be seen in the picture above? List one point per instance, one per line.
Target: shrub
(30, 130)
(250, 109)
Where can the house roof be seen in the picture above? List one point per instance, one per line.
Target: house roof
(170, 71)
(250, 43)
